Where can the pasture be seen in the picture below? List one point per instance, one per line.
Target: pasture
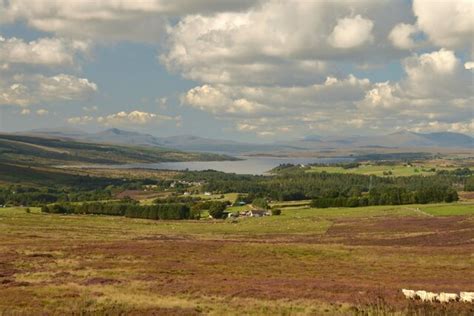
(304, 262)
(396, 170)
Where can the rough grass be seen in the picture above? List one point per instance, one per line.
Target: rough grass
(304, 262)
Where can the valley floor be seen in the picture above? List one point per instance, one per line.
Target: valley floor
(304, 262)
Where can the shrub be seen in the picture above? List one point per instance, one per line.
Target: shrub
(216, 210)
(260, 202)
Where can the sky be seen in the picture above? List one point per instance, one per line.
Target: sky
(248, 70)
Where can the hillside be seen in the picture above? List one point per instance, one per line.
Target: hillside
(54, 151)
(179, 142)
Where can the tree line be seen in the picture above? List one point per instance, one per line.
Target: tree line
(390, 196)
(173, 211)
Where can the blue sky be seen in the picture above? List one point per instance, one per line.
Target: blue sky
(245, 70)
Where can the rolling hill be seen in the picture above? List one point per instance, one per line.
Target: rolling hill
(53, 151)
(402, 139)
(180, 142)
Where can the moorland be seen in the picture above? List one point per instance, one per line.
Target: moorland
(303, 240)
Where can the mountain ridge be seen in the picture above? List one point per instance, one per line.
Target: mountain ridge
(400, 139)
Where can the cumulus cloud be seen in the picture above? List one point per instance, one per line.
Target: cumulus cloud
(268, 66)
(93, 108)
(381, 96)
(246, 101)
(123, 119)
(279, 42)
(42, 112)
(24, 90)
(436, 86)
(80, 120)
(109, 19)
(351, 32)
(448, 24)
(437, 126)
(132, 118)
(439, 74)
(469, 65)
(402, 36)
(43, 51)
(25, 112)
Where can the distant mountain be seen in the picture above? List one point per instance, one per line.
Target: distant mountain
(402, 139)
(180, 142)
(195, 143)
(395, 140)
(412, 139)
(118, 136)
(450, 139)
(64, 132)
(312, 138)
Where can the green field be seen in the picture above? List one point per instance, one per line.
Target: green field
(398, 170)
(303, 262)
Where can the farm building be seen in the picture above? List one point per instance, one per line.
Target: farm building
(258, 213)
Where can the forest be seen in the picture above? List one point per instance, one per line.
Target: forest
(339, 189)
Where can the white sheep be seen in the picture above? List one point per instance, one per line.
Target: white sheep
(432, 297)
(409, 294)
(421, 295)
(427, 296)
(467, 297)
(448, 297)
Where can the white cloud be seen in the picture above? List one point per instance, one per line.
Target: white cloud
(448, 24)
(243, 101)
(469, 65)
(402, 36)
(108, 19)
(381, 96)
(42, 112)
(351, 32)
(25, 112)
(162, 102)
(80, 120)
(132, 118)
(43, 51)
(280, 42)
(24, 90)
(436, 87)
(65, 87)
(246, 127)
(93, 108)
(267, 66)
(466, 127)
(439, 74)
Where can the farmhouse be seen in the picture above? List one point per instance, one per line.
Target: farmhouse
(258, 213)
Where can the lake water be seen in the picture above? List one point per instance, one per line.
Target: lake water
(249, 165)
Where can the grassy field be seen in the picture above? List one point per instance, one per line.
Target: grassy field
(304, 262)
(383, 170)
